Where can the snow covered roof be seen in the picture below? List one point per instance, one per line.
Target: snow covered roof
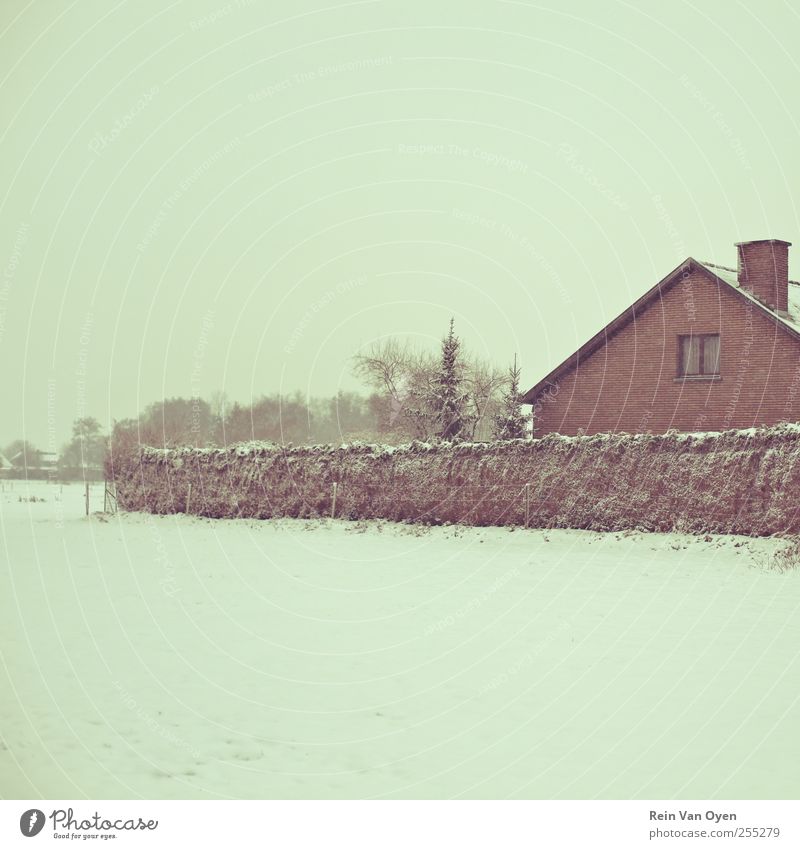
(4, 463)
(789, 320)
(730, 276)
(38, 459)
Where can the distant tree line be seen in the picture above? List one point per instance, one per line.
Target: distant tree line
(276, 418)
(414, 394)
(79, 459)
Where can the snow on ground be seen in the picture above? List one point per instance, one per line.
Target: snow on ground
(175, 657)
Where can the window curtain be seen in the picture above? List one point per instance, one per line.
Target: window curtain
(690, 357)
(711, 355)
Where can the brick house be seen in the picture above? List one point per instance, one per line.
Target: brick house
(707, 348)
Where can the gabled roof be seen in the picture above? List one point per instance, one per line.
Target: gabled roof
(790, 321)
(4, 464)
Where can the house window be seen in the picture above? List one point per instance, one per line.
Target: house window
(698, 355)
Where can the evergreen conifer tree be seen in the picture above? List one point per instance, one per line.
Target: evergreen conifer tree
(449, 400)
(511, 422)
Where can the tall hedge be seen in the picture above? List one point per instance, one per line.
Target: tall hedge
(745, 481)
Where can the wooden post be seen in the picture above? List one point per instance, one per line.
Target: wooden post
(189, 497)
(333, 501)
(87, 498)
(527, 504)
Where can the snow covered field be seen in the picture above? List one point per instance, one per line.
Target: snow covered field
(175, 657)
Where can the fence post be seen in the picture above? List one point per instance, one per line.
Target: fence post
(527, 504)
(112, 497)
(189, 497)
(333, 500)
(87, 498)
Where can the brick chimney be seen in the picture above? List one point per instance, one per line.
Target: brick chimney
(763, 268)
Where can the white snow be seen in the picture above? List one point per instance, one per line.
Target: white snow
(731, 277)
(246, 449)
(174, 657)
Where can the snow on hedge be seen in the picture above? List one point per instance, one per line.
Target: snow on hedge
(738, 481)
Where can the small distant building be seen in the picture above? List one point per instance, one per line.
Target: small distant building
(48, 461)
(37, 464)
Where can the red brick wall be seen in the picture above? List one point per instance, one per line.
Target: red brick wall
(764, 269)
(629, 384)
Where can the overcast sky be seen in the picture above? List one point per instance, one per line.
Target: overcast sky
(206, 195)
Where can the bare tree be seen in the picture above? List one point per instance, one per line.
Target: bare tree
(401, 374)
(405, 378)
(485, 384)
(385, 365)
